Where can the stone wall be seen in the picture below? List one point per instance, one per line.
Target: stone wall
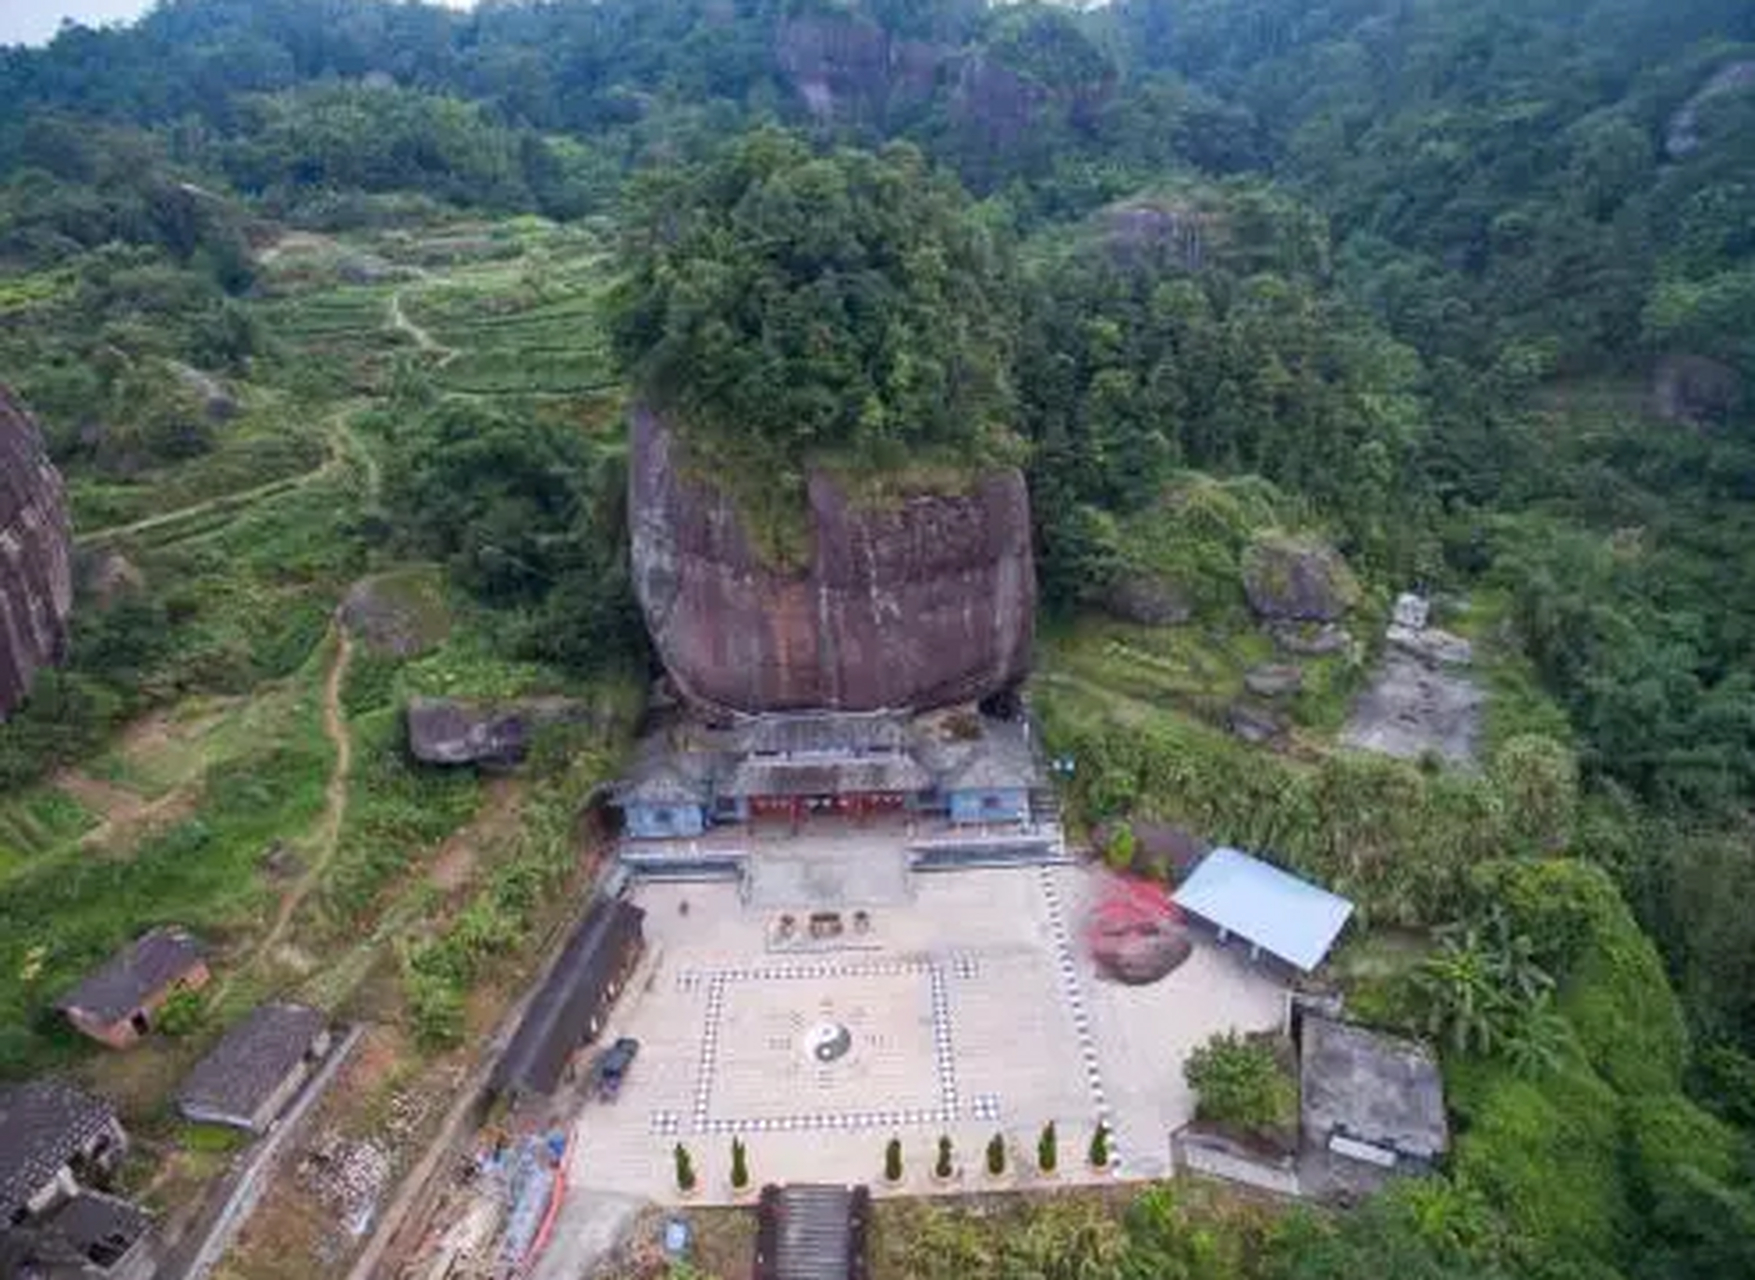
(36, 579)
(921, 603)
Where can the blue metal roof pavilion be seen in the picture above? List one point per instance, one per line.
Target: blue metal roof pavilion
(1283, 915)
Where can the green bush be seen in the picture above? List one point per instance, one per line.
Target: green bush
(181, 1014)
(1239, 1081)
(942, 1168)
(685, 1168)
(740, 1166)
(1120, 850)
(996, 1154)
(1546, 1154)
(893, 1160)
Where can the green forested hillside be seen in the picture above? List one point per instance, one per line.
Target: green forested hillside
(1466, 289)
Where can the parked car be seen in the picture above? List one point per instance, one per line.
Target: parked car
(612, 1067)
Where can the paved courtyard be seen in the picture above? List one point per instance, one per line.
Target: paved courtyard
(968, 1007)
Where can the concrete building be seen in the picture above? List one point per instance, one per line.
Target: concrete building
(661, 803)
(1370, 1101)
(256, 1069)
(116, 1005)
(992, 784)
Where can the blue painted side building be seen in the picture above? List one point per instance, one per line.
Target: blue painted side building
(993, 785)
(663, 805)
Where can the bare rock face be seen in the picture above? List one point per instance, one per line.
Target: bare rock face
(36, 566)
(919, 604)
(1147, 600)
(452, 731)
(1152, 234)
(1682, 136)
(846, 67)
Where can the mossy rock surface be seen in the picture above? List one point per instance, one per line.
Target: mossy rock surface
(1297, 579)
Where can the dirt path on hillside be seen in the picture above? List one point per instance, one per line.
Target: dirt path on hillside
(496, 820)
(339, 439)
(125, 817)
(328, 837)
(111, 803)
(422, 339)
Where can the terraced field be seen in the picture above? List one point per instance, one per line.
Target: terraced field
(530, 329)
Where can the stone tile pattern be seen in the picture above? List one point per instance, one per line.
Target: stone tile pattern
(942, 1109)
(1072, 990)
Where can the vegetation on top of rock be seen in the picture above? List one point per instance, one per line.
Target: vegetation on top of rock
(783, 303)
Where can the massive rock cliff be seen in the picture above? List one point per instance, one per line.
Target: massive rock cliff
(36, 578)
(919, 603)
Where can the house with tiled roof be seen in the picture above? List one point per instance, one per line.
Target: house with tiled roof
(257, 1068)
(91, 1235)
(117, 1004)
(56, 1142)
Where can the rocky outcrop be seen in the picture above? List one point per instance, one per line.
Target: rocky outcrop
(850, 68)
(1274, 680)
(217, 400)
(1154, 234)
(1421, 704)
(452, 731)
(400, 614)
(1694, 390)
(36, 566)
(106, 578)
(919, 603)
(1147, 599)
(1256, 725)
(1310, 641)
(1297, 579)
(1682, 136)
(1142, 956)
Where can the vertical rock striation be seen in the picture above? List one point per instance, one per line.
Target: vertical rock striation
(36, 579)
(920, 603)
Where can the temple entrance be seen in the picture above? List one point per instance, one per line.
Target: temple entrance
(857, 808)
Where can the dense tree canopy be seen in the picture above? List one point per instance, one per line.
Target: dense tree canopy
(787, 303)
(1421, 273)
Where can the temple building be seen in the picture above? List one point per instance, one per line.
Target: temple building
(960, 767)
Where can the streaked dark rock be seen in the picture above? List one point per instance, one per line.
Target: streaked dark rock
(36, 565)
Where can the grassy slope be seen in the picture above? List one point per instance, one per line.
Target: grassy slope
(258, 540)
